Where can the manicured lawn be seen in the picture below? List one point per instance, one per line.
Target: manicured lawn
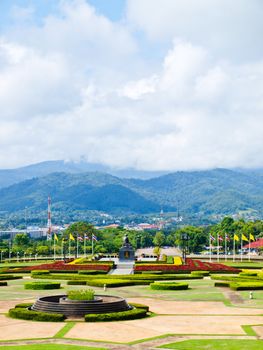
(49, 347)
(244, 264)
(217, 344)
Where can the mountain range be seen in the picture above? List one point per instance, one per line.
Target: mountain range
(72, 187)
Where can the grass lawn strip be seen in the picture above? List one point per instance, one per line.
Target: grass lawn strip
(215, 344)
(50, 347)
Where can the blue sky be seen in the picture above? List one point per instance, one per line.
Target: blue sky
(150, 84)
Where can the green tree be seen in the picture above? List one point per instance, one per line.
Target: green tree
(21, 240)
(159, 239)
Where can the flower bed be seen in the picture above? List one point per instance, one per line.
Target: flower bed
(62, 266)
(191, 265)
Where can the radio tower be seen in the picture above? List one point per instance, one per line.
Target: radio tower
(49, 218)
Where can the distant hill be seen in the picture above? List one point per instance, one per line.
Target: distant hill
(11, 176)
(218, 191)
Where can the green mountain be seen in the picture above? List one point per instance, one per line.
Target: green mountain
(218, 191)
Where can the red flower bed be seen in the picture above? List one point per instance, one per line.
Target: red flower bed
(62, 266)
(191, 265)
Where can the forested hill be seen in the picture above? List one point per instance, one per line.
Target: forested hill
(208, 192)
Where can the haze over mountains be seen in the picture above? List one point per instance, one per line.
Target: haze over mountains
(86, 186)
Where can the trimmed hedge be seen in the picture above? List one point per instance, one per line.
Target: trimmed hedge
(35, 273)
(132, 314)
(200, 273)
(77, 283)
(23, 305)
(140, 306)
(91, 272)
(9, 277)
(3, 284)
(25, 314)
(248, 274)
(246, 286)
(42, 285)
(110, 283)
(222, 284)
(169, 285)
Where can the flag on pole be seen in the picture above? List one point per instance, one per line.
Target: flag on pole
(227, 237)
(71, 237)
(236, 238)
(55, 237)
(80, 239)
(251, 237)
(94, 237)
(86, 237)
(212, 238)
(220, 238)
(244, 238)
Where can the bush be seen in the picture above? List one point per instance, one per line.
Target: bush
(3, 284)
(200, 273)
(117, 316)
(23, 305)
(42, 285)
(169, 285)
(91, 272)
(140, 306)
(248, 274)
(77, 283)
(84, 294)
(222, 284)
(246, 286)
(110, 283)
(25, 314)
(35, 273)
(9, 277)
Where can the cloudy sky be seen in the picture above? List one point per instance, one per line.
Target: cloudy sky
(149, 84)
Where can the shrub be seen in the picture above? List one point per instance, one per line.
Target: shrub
(246, 286)
(117, 316)
(169, 285)
(110, 283)
(9, 277)
(222, 284)
(25, 314)
(23, 305)
(92, 272)
(152, 272)
(42, 285)
(3, 284)
(79, 283)
(248, 273)
(83, 294)
(35, 273)
(200, 273)
(139, 306)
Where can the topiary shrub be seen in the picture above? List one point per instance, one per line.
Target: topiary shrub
(110, 283)
(23, 305)
(200, 273)
(84, 294)
(4, 277)
(92, 272)
(25, 314)
(248, 273)
(169, 285)
(117, 316)
(3, 284)
(246, 285)
(222, 284)
(35, 273)
(42, 285)
(140, 306)
(77, 283)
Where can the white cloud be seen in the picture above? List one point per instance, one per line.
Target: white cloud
(79, 86)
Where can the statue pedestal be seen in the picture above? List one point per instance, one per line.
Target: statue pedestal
(126, 253)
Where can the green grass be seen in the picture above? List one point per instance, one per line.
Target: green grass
(244, 264)
(62, 332)
(49, 347)
(216, 344)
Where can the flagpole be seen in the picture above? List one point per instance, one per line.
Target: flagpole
(249, 248)
(77, 245)
(62, 248)
(54, 247)
(69, 246)
(234, 249)
(217, 247)
(84, 246)
(241, 247)
(92, 245)
(210, 247)
(225, 248)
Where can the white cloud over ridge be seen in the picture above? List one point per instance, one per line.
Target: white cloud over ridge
(78, 86)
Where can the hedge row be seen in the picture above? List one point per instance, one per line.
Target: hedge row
(35, 273)
(132, 314)
(110, 283)
(77, 283)
(246, 286)
(222, 284)
(9, 277)
(3, 284)
(91, 272)
(200, 273)
(42, 285)
(169, 286)
(25, 314)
